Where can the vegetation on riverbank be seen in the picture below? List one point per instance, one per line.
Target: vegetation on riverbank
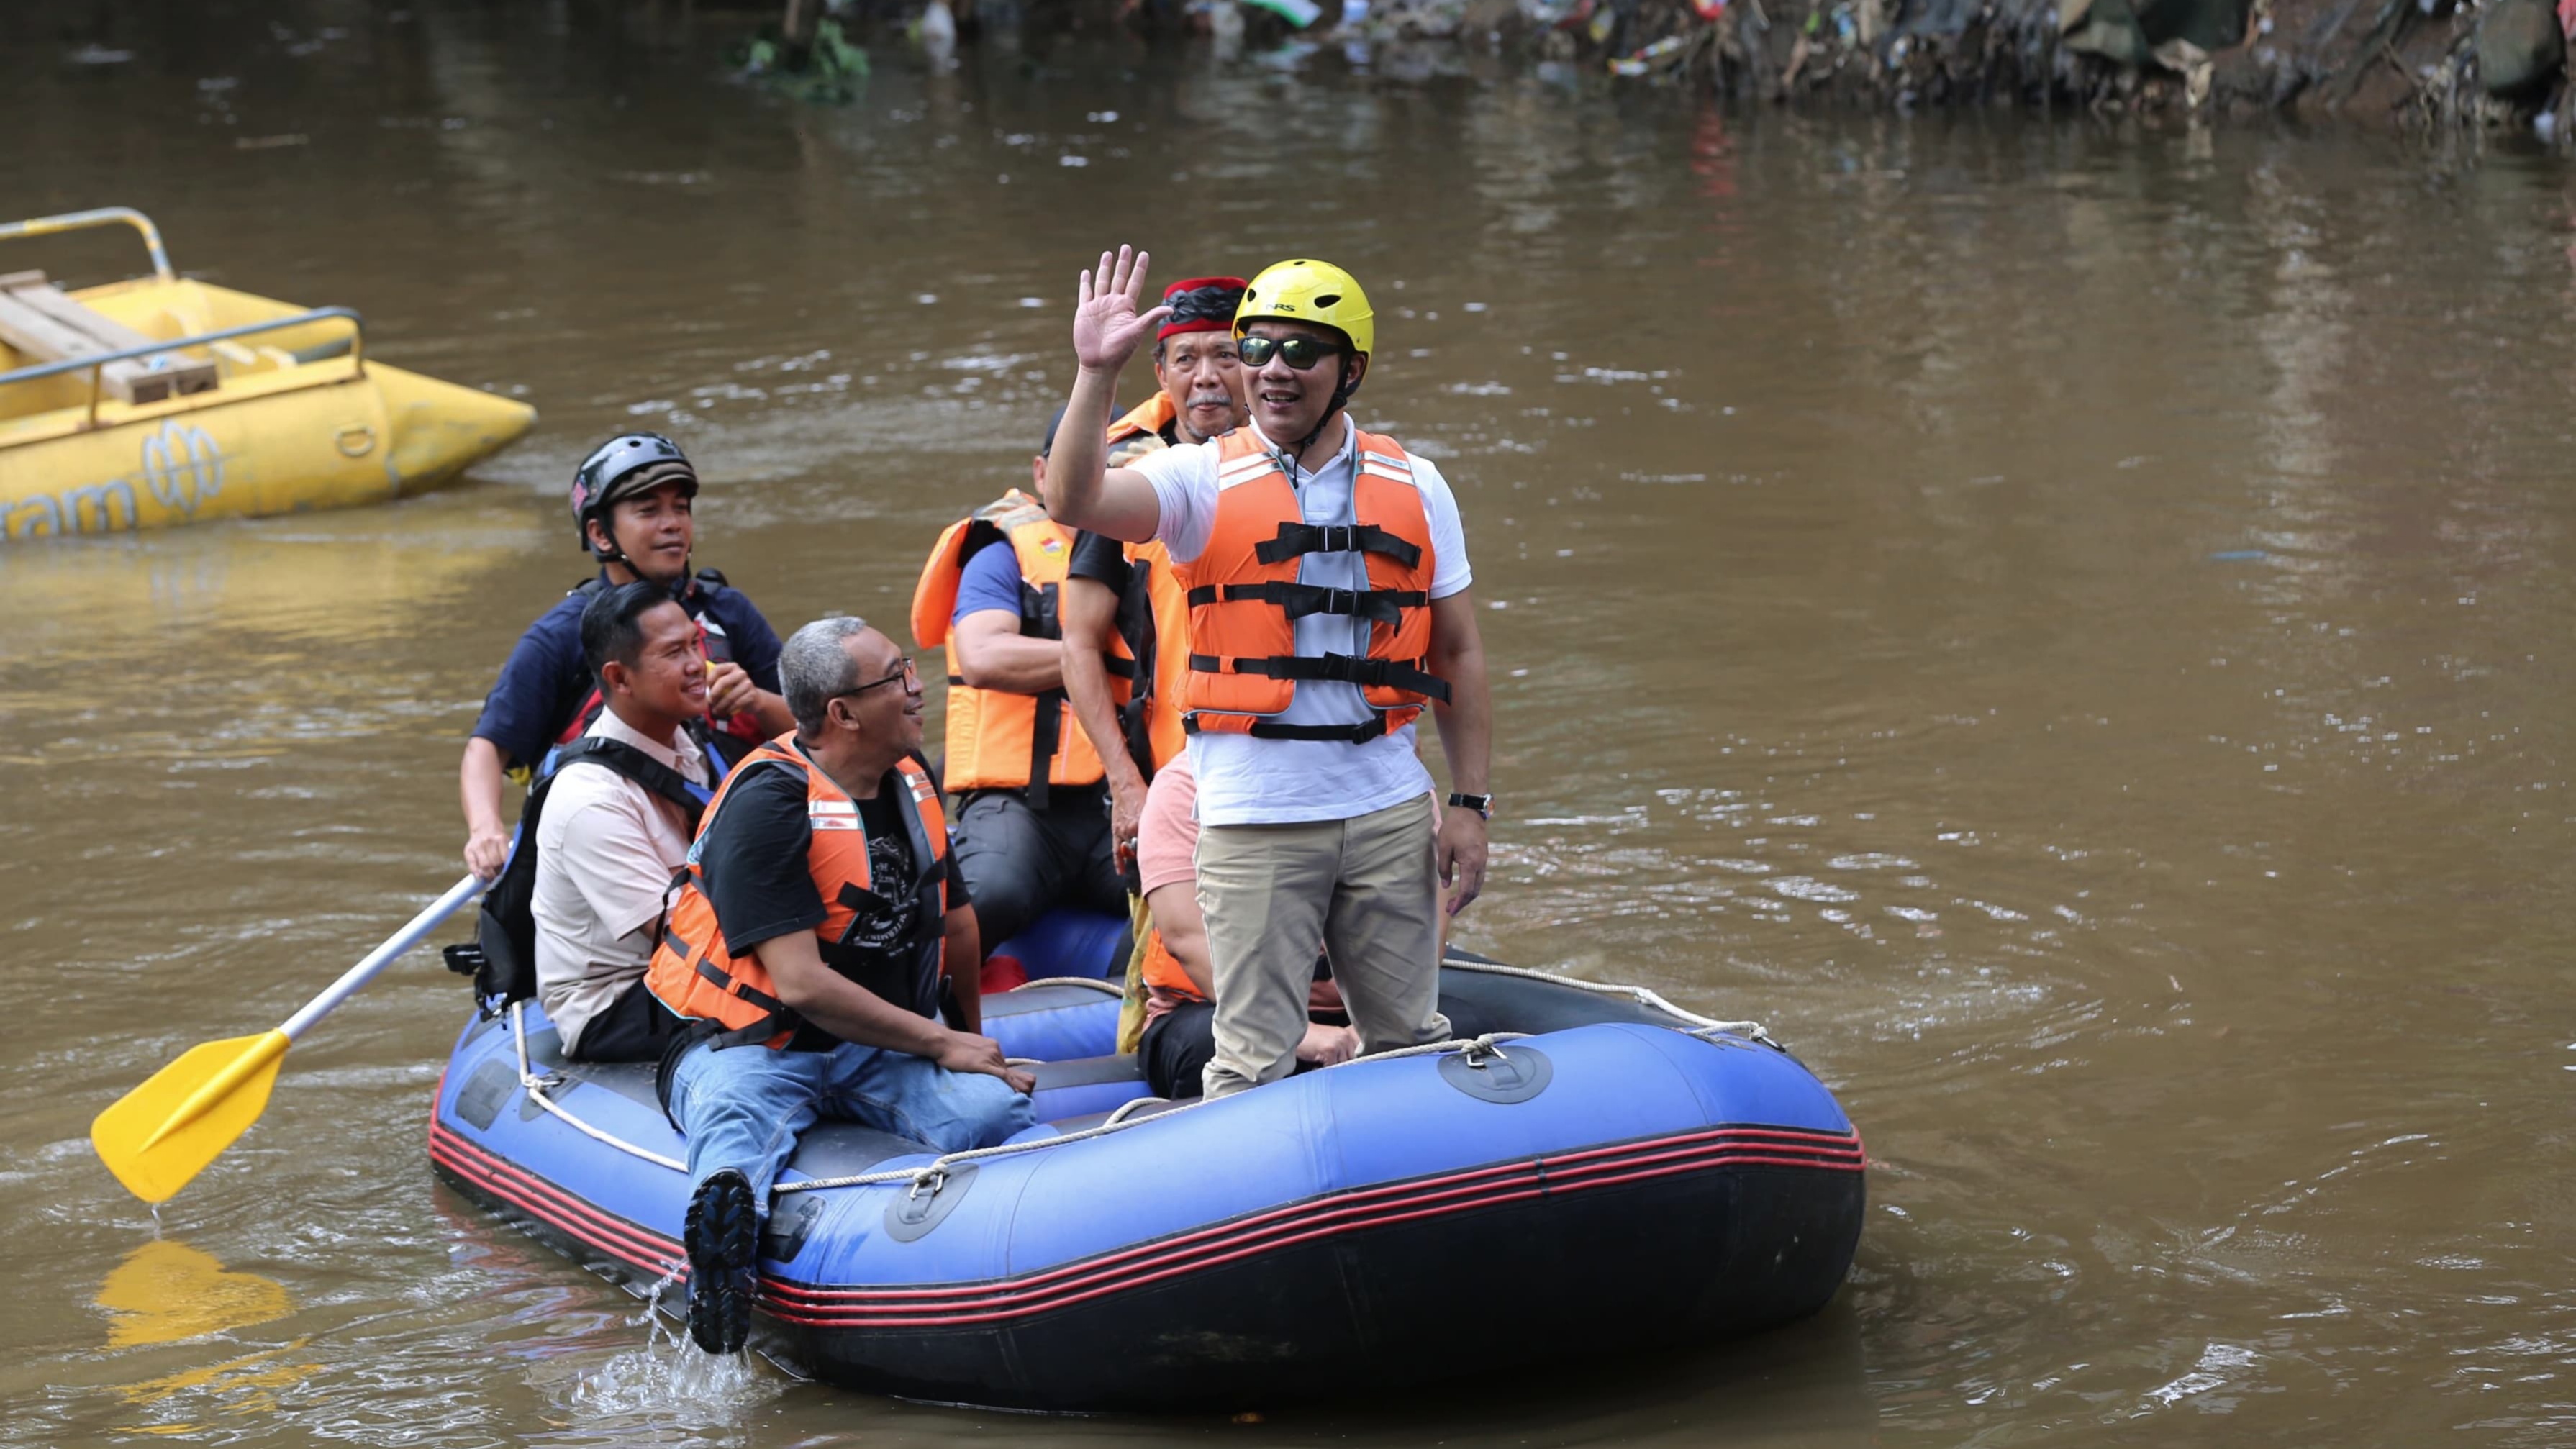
(2423, 63)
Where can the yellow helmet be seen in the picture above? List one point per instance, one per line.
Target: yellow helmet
(1305, 291)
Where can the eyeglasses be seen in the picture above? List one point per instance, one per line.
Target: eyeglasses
(1301, 353)
(903, 673)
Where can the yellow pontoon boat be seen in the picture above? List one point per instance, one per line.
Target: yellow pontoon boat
(163, 400)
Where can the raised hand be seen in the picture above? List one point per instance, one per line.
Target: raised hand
(1107, 328)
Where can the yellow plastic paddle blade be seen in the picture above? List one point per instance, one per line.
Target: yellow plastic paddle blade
(163, 1133)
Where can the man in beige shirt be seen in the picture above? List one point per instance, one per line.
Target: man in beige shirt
(617, 823)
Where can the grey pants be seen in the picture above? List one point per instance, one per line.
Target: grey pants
(1368, 888)
(1021, 863)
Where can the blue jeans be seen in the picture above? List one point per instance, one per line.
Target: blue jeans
(744, 1107)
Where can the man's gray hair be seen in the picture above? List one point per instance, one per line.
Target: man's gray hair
(815, 668)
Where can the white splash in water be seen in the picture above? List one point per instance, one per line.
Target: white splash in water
(667, 1382)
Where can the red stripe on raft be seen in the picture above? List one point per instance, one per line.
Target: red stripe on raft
(626, 1241)
(861, 1317)
(528, 1189)
(622, 1248)
(626, 1245)
(1304, 1216)
(1846, 1156)
(500, 1171)
(1198, 1250)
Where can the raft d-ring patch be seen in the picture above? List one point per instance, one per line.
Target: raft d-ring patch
(914, 1213)
(356, 440)
(1506, 1075)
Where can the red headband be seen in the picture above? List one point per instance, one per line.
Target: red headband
(1201, 304)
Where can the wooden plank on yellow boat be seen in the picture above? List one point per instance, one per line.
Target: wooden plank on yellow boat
(45, 325)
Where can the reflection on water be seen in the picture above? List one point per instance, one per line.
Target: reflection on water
(233, 1389)
(2064, 625)
(166, 1291)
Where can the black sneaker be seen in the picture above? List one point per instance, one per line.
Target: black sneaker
(723, 1243)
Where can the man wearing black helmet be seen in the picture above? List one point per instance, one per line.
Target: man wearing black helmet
(631, 506)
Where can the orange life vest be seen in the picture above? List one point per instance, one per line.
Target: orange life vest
(1153, 615)
(696, 976)
(1154, 625)
(1145, 428)
(1245, 600)
(997, 739)
(1163, 971)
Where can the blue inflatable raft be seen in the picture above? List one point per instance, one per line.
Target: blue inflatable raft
(1620, 1173)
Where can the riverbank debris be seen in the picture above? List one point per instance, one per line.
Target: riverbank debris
(827, 69)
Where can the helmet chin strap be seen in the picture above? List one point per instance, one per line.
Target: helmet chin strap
(1342, 390)
(613, 554)
(679, 587)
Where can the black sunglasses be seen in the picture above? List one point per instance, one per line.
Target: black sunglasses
(1301, 353)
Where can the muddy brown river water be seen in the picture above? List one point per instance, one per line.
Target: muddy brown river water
(2066, 624)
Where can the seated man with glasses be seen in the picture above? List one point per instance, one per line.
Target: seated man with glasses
(806, 949)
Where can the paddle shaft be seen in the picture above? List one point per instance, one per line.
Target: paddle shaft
(383, 956)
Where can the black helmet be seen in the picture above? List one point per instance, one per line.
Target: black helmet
(626, 464)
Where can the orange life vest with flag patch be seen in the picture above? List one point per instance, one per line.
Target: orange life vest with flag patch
(694, 974)
(1245, 599)
(998, 739)
(1144, 429)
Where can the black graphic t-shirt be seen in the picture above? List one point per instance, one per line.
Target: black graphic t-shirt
(754, 857)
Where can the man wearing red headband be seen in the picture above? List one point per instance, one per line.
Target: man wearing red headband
(1128, 590)
(1199, 379)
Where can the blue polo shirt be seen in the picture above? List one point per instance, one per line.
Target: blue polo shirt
(991, 580)
(543, 685)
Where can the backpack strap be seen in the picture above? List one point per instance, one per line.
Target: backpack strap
(641, 768)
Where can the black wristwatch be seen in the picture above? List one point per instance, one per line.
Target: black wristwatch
(1481, 804)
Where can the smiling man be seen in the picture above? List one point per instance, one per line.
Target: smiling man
(614, 822)
(1198, 378)
(1326, 576)
(633, 508)
(806, 947)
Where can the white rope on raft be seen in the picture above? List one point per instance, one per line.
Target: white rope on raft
(536, 1086)
(1638, 994)
(1094, 982)
(937, 1171)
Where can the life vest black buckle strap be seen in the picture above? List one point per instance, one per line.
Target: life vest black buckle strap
(1346, 668)
(726, 983)
(1356, 734)
(1303, 538)
(1046, 736)
(1300, 600)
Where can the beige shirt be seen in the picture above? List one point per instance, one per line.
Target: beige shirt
(605, 853)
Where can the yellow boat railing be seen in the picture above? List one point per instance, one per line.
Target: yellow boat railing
(103, 216)
(96, 363)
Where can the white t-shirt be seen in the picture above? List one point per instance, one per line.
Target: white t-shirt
(1248, 781)
(605, 853)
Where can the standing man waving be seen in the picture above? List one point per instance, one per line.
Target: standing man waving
(1326, 575)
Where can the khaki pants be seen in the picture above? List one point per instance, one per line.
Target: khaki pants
(1367, 888)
